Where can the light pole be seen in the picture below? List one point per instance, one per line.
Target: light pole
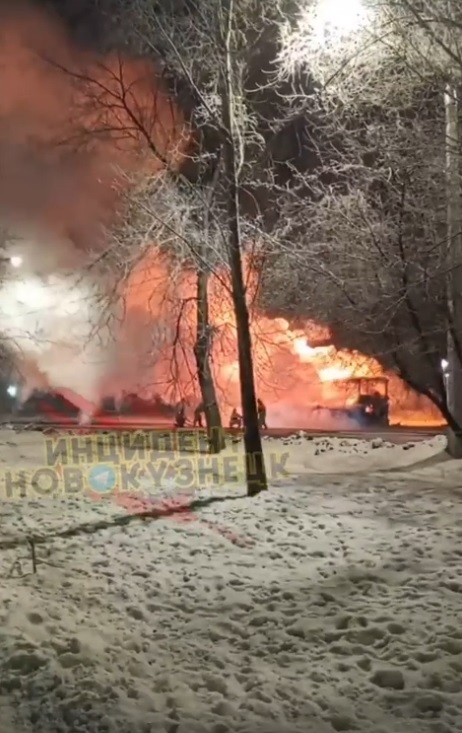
(454, 250)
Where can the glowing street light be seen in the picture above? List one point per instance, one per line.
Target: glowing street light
(16, 261)
(329, 33)
(335, 20)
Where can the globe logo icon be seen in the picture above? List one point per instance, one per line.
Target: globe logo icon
(102, 479)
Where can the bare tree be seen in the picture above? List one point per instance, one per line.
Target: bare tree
(380, 76)
(366, 250)
(204, 336)
(126, 104)
(205, 50)
(161, 218)
(210, 57)
(372, 51)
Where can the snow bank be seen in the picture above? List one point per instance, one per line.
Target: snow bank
(442, 472)
(342, 455)
(302, 454)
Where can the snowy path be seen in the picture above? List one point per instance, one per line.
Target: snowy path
(340, 611)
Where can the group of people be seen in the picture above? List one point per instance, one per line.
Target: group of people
(180, 415)
(236, 420)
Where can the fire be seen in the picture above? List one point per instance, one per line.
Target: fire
(294, 375)
(334, 374)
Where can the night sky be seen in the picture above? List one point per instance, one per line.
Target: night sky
(85, 18)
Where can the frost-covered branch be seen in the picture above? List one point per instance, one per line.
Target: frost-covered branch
(366, 253)
(373, 51)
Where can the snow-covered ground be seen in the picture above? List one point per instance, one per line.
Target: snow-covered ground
(330, 603)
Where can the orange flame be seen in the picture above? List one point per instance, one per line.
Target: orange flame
(293, 377)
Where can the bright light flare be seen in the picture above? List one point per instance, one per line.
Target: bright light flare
(334, 374)
(324, 31)
(307, 353)
(63, 325)
(12, 390)
(335, 20)
(33, 293)
(16, 261)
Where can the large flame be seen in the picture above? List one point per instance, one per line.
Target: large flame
(296, 372)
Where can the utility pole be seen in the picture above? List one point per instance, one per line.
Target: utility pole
(454, 245)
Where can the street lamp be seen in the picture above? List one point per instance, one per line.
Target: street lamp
(14, 261)
(334, 20)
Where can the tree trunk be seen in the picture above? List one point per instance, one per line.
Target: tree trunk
(254, 460)
(215, 433)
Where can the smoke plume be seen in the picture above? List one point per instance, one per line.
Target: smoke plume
(59, 196)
